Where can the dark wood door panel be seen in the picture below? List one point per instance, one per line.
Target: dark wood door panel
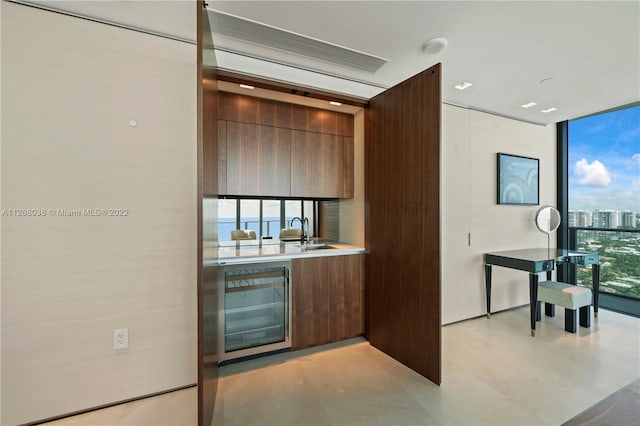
(402, 183)
(207, 159)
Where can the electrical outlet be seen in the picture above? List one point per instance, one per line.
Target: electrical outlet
(121, 338)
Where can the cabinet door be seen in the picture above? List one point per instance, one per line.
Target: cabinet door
(258, 160)
(310, 303)
(317, 165)
(327, 299)
(346, 296)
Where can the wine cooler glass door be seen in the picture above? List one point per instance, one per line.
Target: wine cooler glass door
(256, 307)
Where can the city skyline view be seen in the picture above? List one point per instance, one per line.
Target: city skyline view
(604, 161)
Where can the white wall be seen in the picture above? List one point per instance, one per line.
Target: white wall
(69, 90)
(470, 141)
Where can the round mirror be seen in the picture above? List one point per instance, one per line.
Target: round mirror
(547, 219)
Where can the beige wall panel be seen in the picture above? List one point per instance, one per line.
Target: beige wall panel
(458, 267)
(70, 89)
(493, 227)
(352, 209)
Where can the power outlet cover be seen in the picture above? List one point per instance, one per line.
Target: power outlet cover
(121, 338)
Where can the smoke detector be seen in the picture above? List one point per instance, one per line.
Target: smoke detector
(435, 45)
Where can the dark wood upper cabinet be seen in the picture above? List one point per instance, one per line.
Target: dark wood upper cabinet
(257, 160)
(246, 109)
(317, 165)
(275, 149)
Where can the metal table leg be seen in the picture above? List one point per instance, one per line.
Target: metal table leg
(533, 299)
(595, 277)
(487, 283)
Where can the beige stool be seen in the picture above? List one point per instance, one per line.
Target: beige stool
(571, 297)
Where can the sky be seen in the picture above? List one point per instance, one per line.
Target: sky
(604, 161)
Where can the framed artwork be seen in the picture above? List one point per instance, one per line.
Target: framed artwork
(518, 181)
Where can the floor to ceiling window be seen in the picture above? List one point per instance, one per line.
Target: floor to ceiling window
(603, 175)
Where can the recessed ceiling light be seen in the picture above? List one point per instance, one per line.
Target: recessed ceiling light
(549, 110)
(529, 105)
(464, 85)
(246, 86)
(335, 103)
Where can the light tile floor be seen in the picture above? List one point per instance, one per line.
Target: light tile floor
(178, 408)
(494, 373)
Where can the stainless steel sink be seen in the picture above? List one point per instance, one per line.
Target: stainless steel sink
(319, 246)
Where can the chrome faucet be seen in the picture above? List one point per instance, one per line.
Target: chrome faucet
(304, 233)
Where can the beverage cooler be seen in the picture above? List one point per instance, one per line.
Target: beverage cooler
(256, 307)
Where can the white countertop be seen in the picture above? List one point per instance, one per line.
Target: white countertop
(253, 251)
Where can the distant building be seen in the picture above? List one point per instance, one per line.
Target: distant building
(628, 219)
(580, 218)
(584, 218)
(606, 219)
(610, 219)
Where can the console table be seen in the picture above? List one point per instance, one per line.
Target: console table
(539, 260)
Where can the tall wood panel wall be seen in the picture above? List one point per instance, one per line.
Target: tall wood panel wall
(207, 187)
(402, 227)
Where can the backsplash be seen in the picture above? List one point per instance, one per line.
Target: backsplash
(329, 220)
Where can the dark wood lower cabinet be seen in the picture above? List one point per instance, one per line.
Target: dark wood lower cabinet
(346, 296)
(309, 303)
(327, 299)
